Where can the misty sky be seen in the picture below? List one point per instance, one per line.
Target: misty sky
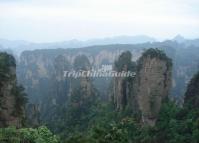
(57, 20)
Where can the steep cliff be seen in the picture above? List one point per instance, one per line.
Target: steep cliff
(36, 69)
(152, 83)
(82, 100)
(12, 98)
(122, 86)
(83, 85)
(145, 92)
(58, 90)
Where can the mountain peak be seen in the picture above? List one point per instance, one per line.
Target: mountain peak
(179, 38)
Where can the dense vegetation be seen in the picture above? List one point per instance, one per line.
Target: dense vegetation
(174, 125)
(6, 61)
(155, 52)
(192, 93)
(124, 62)
(27, 135)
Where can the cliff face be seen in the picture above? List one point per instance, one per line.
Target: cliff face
(11, 112)
(144, 93)
(82, 100)
(152, 83)
(122, 86)
(58, 90)
(83, 84)
(41, 71)
(119, 93)
(37, 70)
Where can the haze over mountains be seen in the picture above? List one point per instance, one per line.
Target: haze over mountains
(18, 46)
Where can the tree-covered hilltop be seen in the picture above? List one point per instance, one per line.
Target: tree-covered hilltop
(81, 62)
(155, 53)
(124, 62)
(192, 93)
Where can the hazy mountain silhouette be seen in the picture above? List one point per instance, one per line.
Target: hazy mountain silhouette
(17, 46)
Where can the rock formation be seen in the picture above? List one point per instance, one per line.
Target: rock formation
(152, 83)
(11, 96)
(145, 92)
(36, 69)
(122, 86)
(83, 84)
